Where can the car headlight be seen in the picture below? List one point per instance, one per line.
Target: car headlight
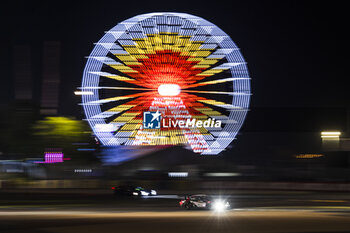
(220, 205)
(144, 193)
(153, 192)
(135, 193)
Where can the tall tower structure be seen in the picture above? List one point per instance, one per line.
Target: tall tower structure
(22, 72)
(51, 78)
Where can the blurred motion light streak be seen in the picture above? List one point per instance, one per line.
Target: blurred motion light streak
(53, 157)
(83, 93)
(178, 174)
(330, 134)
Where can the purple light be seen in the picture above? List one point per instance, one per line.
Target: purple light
(53, 157)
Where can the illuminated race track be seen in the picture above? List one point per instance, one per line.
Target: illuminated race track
(251, 212)
(250, 220)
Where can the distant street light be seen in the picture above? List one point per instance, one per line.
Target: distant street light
(330, 140)
(330, 134)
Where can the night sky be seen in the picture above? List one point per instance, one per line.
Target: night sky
(294, 51)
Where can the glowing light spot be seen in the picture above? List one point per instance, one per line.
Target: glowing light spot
(169, 89)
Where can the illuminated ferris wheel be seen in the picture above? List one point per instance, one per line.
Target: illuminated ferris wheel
(178, 66)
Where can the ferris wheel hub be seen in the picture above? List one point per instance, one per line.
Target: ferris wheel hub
(169, 89)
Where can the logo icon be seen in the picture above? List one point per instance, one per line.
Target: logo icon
(151, 120)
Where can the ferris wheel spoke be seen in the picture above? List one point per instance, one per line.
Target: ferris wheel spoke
(115, 110)
(211, 113)
(114, 99)
(218, 104)
(218, 69)
(217, 81)
(119, 88)
(115, 77)
(208, 92)
(123, 68)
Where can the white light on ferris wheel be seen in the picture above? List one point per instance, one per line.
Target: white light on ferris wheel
(169, 89)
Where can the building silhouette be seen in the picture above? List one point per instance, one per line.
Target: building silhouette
(51, 78)
(22, 73)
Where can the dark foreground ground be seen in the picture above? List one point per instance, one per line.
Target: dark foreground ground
(98, 211)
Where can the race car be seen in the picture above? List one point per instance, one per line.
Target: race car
(202, 201)
(128, 190)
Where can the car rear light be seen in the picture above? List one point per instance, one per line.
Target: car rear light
(113, 188)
